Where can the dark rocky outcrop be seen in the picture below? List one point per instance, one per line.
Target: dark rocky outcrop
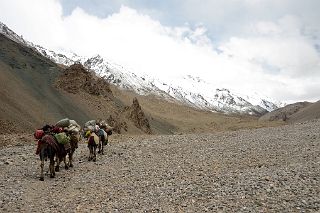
(137, 116)
(76, 78)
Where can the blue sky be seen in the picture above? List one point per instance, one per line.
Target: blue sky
(264, 46)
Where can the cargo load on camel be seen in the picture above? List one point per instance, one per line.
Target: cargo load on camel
(96, 131)
(57, 141)
(69, 125)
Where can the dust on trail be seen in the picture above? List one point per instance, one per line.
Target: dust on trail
(269, 169)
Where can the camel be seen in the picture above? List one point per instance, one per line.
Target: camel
(47, 148)
(69, 149)
(93, 141)
(103, 140)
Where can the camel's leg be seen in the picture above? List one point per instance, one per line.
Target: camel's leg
(51, 167)
(102, 145)
(94, 153)
(71, 159)
(65, 162)
(57, 164)
(90, 153)
(99, 146)
(41, 170)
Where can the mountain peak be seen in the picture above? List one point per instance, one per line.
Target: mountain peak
(96, 57)
(223, 90)
(11, 34)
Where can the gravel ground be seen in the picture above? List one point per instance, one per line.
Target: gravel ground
(263, 170)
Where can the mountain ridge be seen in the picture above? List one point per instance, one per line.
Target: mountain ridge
(293, 113)
(207, 98)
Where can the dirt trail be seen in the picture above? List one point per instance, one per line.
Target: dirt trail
(263, 170)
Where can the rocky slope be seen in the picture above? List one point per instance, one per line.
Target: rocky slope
(309, 112)
(76, 78)
(284, 113)
(27, 95)
(264, 170)
(291, 112)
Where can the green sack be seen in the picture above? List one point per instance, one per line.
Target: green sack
(62, 138)
(63, 123)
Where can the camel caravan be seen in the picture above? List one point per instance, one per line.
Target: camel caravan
(58, 142)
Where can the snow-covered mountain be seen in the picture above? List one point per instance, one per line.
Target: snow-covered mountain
(189, 90)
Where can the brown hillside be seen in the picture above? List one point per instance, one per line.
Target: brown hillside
(293, 113)
(284, 113)
(309, 112)
(27, 95)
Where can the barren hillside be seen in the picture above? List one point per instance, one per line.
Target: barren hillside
(308, 113)
(28, 97)
(293, 113)
(264, 170)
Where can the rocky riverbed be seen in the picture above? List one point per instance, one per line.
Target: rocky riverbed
(263, 170)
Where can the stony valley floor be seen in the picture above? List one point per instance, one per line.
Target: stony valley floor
(263, 170)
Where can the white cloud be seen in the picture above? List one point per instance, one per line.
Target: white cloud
(270, 57)
(36, 20)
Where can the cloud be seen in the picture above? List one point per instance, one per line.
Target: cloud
(275, 57)
(36, 20)
(280, 45)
